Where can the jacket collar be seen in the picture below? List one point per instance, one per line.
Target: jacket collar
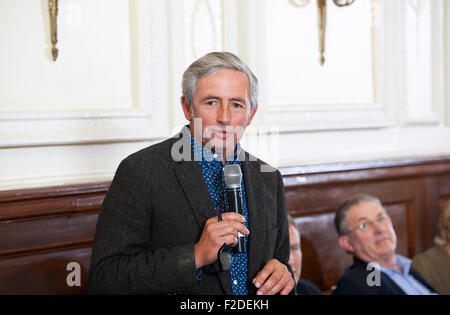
(192, 182)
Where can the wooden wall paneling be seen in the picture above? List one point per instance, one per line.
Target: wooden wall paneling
(322, 255)
(44, 272)
(443, 188)
(44, 229)
(26, 203)
(27, 235)
(409, 189)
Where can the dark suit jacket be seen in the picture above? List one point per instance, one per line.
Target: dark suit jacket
(154, 213)
(353, 281)
(306, 287)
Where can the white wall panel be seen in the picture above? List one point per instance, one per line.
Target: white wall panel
(104, 84)
(115, 88)
(92, 71)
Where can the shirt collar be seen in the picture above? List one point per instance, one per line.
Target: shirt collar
(403, 264)
(204, 154)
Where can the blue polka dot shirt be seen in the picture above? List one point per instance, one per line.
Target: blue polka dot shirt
(212, 168)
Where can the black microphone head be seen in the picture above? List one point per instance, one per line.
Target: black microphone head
(232, 175)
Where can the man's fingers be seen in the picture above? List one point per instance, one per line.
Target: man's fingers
(261, 277)
(272, 284)
(233, 216)
(279, 283)
(274, 278)
(227, 226)
(216, 233)
(289, 287)
(225, 231)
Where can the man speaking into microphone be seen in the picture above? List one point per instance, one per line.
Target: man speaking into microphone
(178, 219)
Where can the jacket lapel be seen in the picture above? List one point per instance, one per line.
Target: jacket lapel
(191, 180)
(194, 187)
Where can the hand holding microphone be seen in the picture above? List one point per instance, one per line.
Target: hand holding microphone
(229, 229)
(233, 177)
(215, 234)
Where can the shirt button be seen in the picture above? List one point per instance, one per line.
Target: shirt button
(215, 156)
(235, 282)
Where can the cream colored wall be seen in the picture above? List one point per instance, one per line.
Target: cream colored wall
(115, 86)
(93, 70)
(447, 57)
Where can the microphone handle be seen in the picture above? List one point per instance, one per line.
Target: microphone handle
(235, 205)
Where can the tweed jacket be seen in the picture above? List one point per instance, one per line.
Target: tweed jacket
(154, 213)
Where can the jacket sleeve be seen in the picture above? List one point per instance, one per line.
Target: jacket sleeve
(282, 250)
(121, 262)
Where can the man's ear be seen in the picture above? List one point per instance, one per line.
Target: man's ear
(187, 110)
(346, 243)
(252, 114)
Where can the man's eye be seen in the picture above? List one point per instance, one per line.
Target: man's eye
(211, 103)
(363, 226)
(238, 105)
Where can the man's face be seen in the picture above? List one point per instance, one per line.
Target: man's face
(222, 104)
(372, 237)
(295, 259)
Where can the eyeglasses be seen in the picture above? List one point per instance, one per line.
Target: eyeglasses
(368, 225)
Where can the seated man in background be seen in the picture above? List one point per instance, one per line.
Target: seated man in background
(434, 263)
(365, 230)
(304, 287)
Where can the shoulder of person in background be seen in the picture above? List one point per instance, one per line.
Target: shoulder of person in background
(306, 287)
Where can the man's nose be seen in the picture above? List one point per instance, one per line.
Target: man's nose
(224, 114)
(378, 227)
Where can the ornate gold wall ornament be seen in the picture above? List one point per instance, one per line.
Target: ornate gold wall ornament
(53, 11)
(322, 7)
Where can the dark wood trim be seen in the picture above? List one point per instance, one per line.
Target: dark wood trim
(374, 170)
(52, 191)
(362, 165)
(45, 201)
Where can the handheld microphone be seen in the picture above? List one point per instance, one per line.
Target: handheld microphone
(233, 176)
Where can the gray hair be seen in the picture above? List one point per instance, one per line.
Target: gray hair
(340, 219)
(210, 64)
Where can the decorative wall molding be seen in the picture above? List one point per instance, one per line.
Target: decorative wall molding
(404, 93)
(22, 130)
(230, 26)
(18, 129)
(422, 52)
(295, 116)
(43, 148)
